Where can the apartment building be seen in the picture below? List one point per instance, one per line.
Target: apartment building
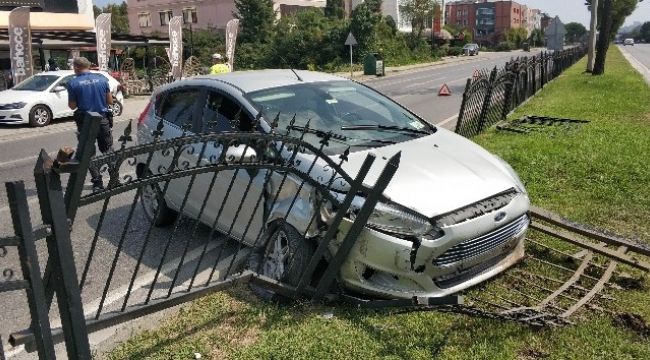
(488, 20)
(149, 16)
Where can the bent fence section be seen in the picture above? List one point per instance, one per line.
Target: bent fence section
(181, 218)
(489, 97)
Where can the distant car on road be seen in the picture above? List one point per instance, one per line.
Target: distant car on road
(457, 215)
(470, 49)
(628, 41)
(44, 97)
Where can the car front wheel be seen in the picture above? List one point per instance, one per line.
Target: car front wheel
(39, 116)
(117, 108)
(154, 204)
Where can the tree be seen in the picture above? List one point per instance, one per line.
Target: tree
(256, 18)
(644, 32)
(335, 9)
(419, 12)
(119, 18)
(612, 15)
(536, 37)
(516, 36)
(575, 32)
(364, 19)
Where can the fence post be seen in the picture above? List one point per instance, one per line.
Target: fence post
(357, 226)
(463, 104)
(487, 101)
(21, 220)
(510, 84)
(543, 70)
(62, 271)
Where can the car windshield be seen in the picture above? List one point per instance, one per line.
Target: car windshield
(357, 116)
(37, 83)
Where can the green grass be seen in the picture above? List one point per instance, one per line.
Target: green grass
(598, 174)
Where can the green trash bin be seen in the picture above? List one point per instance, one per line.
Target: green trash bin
(373, 64)
(525, 46)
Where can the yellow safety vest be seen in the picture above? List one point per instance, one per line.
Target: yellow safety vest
(219, 69)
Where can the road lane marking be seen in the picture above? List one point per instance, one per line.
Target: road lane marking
(447, 120)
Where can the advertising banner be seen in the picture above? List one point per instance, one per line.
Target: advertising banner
(176, 46)
(231, 39)
(20, 44)
(103, 34)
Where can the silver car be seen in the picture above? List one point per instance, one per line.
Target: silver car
(457, 214)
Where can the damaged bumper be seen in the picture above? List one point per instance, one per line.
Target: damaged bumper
(466, 254)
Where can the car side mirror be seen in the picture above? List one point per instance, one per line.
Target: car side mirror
(236, 154)
(59, 88)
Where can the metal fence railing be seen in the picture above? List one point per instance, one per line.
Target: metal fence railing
(490, 96)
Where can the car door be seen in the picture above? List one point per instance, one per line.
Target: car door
(59, 99)
(179, 109)
(234, 201)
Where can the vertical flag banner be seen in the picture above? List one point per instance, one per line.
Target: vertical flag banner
(103, 34)
(231, 39)
(20, 44)
(176, 46)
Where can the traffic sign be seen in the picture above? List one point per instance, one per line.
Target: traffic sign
(351, 40)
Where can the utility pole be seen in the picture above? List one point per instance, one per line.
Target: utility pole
(592, 36)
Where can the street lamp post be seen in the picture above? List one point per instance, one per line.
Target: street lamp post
(592, 36)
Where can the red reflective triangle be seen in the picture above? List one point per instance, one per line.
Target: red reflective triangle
(444, 90)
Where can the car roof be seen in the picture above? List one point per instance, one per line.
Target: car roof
(68, 72)
(254, 80)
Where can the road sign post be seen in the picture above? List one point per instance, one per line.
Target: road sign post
(351, 41)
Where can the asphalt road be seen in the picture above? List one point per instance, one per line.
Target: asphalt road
(640, 58)
(19, 145)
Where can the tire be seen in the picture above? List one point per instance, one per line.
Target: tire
(40, 115)
(264, 260)
(154, 205)
(117, 108)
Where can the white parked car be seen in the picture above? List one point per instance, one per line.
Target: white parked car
(43, 97)
(628, 41)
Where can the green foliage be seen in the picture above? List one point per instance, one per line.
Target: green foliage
(256, 20)
(516, 36)
(575, 32)
(504, 46)
(363, 23)
(419, 12)
(621, 9)
(335, 9)
(536, 37)
(644, 31)
(119, 18)
(205, 42)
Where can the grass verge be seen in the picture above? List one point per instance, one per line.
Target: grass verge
(597, 174)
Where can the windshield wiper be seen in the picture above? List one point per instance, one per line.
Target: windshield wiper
(385, 127)
(319, 133)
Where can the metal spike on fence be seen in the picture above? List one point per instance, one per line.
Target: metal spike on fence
(126, 136)
(276, 121)
(159, 130)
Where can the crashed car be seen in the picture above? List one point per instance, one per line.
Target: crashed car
(454, 215)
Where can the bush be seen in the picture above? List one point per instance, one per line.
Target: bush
(504, 46)
(455, 51)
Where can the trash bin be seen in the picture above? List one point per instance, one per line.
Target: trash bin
(525, 46)
(373, 64)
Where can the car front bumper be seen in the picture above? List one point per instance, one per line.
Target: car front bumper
(387, 266)
(14, 116)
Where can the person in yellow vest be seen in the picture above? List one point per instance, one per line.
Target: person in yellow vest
(219, 66)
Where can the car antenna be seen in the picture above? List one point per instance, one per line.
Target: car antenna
(291, 68)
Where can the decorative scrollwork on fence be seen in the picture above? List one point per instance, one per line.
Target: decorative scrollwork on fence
(193, 67)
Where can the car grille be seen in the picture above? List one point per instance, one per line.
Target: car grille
(446, 282)
(484, 243)
(477, 209)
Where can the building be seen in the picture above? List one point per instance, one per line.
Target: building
(152, 16)
(489, 20)
(59, 15)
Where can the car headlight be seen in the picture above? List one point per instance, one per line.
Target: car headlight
(513, 174)
(12, 106)
(393, 220)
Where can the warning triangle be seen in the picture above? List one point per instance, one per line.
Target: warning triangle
(476, 74)
(444, 90)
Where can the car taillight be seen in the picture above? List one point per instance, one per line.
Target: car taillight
(143, 116)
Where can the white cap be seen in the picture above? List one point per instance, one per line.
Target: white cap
(217, 56)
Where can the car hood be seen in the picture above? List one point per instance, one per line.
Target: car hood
(12, 96)
(437, 173)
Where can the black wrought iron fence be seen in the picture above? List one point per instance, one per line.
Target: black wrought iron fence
(185, 216)
(489, 97)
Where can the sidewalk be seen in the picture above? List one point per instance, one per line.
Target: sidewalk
(392, 70)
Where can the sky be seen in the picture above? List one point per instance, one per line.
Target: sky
(568, 10)
(575, 10)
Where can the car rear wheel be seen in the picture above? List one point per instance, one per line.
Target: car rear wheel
(40, 115)
(117, 108)
(284, 258)
(154, 205)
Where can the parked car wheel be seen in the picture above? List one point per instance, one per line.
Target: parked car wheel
(40, 115)
(117, 108)
(154, 205)
(284, 258)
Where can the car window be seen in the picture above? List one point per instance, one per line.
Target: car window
(220, 114)
(37, 83)
(178, 106)
(65, 81)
